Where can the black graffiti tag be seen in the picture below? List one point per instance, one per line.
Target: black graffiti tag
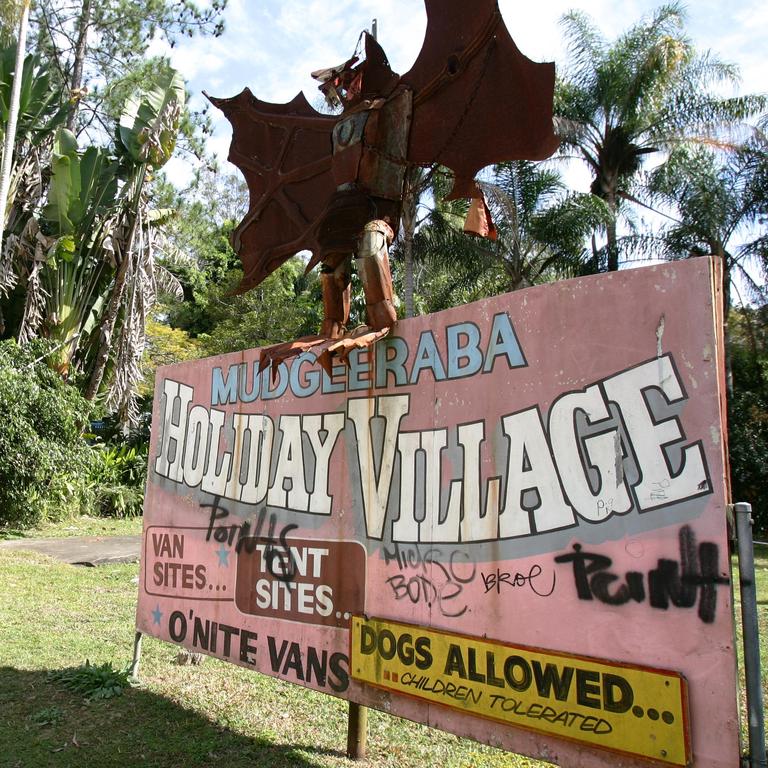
(432, 580)
(695, 577)
(277, 554)
(497, 579)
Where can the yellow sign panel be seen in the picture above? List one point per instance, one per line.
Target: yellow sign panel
(634, 710)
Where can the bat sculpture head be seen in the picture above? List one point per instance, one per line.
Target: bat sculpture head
(354, 81)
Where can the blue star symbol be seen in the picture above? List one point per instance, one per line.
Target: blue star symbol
(157, 614)
(223, 554)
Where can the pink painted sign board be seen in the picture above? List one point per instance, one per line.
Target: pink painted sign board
(540, 470)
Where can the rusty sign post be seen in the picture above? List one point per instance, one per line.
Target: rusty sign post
(506, 520)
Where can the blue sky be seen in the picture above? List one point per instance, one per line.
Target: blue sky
(272, 46)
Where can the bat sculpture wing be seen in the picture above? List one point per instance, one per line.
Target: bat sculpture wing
(284, 152)
(477, 99)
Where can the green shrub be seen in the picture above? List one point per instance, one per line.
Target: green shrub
(119, 479)
(748, 412)
(748, 448)
(45, 464)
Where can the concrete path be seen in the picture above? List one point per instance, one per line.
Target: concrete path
(83, 550)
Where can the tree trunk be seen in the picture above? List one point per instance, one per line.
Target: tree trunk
(13, 115)
(613, 245)
(409, 224)
(76, 83)
(595, 260)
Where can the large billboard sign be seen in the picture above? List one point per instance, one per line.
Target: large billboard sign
(506, 520)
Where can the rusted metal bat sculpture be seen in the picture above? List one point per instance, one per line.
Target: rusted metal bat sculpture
(333, 184)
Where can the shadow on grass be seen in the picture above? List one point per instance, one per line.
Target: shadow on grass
(43, 725)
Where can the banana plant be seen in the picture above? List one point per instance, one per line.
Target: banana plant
(90, 254)
(41, 110)
(41, 107)
(70, 269)
(149, 124)
(146, 137)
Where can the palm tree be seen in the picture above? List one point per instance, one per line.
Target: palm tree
(720, 198)
(418, 183)
(619, 102)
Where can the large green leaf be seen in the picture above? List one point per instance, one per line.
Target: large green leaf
(64, 207)
(42, 107)
(83, 187)
(150, 120)
(98, 182)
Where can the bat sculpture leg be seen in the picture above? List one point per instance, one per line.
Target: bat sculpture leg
(372, 260)
(373, 268)
(335, 279)
(336, 299)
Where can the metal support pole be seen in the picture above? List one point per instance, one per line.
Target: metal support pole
(357, 731)
(133, 670)
(755, 705)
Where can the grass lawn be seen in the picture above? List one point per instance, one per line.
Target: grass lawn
(55, 616)
(79, 526)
